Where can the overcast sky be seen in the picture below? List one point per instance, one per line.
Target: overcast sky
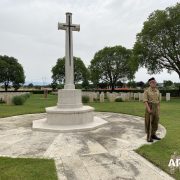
(28, 31)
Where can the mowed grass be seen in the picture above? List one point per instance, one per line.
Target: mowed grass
(159, 153)
(35, 104)
(27, 169)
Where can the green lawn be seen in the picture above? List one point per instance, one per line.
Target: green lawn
(159, 153)
(35, 104)
(27, 169)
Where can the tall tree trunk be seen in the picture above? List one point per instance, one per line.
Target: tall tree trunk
(112, 87)
(6, 86)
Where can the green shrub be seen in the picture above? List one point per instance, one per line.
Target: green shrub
(85, 99)
(2, 101)
(26, 95)
(20, 100)
(118, 99)
(96, 99)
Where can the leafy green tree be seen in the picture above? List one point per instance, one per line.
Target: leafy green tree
(177, 85)
(30, 85)
(11, 72)
(80, 71)
(54, 85)
(132, 84)
(102, 85)
(167, 83)
(158, 44)
(85, 84)
(119, 84)
(140, 84)
(111, 64)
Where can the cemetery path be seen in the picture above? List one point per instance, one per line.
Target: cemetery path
(102, 154)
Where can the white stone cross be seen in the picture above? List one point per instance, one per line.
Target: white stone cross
(69, 64)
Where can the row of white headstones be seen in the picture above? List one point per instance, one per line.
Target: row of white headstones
(7, 97)
(113, 96)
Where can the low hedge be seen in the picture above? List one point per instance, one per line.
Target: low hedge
(118, 99)
(85, 99)
(20, 100)
(2, 101)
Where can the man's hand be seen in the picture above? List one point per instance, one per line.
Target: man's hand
(147, 107)
(149, 110)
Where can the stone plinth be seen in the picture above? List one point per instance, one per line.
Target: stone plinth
(69, 115)
(42, 125)
(69, 98)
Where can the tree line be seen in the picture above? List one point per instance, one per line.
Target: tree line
(157, 47)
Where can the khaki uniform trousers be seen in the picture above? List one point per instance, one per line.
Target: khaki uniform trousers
(152, 128)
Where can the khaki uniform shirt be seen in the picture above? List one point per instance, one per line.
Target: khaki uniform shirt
(151, 95)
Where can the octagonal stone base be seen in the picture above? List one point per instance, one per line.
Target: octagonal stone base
(69, 115)
(42, 125)
(68, 120)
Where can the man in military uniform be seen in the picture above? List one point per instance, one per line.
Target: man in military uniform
(152, 103)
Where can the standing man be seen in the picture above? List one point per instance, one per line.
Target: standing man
(152, 103)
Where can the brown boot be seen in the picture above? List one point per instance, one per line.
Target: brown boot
(149, 139)
(155, 137)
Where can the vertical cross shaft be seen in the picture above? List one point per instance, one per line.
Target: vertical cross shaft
(69, 64)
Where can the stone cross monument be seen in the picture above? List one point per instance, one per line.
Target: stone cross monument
(69, 64)
(69, 114)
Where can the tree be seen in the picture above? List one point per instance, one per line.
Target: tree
(54, 85)
(111, 64)
(132, 84)
(119, 84)
(158, 44)
(85, 84)
(11, 72)
(80, 71)
(102, 85)
(140, 84)
(177, 85)
(30, 85)
(167, 83)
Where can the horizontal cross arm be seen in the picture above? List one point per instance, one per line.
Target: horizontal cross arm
(62, 26)
(75, 27)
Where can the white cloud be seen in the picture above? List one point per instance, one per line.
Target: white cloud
(28, 30)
